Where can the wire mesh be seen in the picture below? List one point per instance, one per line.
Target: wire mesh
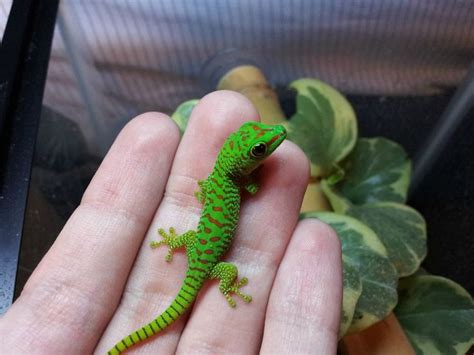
(142, 55)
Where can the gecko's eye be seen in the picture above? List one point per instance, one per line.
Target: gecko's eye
(258, 150)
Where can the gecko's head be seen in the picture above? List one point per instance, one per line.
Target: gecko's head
(251, 144)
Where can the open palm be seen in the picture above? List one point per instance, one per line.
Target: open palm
(100, 281)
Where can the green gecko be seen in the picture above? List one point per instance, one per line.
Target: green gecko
(240, 156)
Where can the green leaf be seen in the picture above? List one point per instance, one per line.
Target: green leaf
(352, 289)
(324, 125)
(182, 114)
(362, 250)
(377, 169)
(338, 203)
(437, 315)
(401, 229)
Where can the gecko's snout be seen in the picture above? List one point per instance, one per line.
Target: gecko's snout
(280, 134)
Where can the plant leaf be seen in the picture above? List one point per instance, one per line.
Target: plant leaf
(351, 291)
(401, 229)
(437, 315)
(338, 203)
(324, 125)
(378, 169)
(182, 113)
(362, 249)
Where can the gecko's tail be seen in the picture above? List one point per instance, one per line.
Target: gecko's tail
(186, 296)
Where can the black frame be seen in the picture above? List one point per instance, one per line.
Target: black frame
(24, 58)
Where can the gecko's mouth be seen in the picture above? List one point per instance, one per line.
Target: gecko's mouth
(280, 135)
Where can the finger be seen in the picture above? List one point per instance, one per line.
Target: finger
(72, 294)
(154, 282)
(305, 303)
(266, 222)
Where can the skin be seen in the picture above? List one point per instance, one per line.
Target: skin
(100, 280)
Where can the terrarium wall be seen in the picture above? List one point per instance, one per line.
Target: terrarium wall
(114, 59)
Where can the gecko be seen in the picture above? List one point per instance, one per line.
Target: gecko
(220, 195)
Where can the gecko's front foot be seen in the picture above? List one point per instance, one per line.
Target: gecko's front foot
(168, 240)
(174, 241)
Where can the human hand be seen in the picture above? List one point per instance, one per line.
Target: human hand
(100, 280)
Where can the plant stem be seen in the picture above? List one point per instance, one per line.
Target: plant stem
(250, 82)
(314, 199)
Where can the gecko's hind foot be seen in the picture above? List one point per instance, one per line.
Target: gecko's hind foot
(229, 283)
(235, 288)
(243, 281)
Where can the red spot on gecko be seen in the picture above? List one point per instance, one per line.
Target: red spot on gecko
(216, 182)
(209, 251)
(215, 239)
(273, 139)
(207, 230)
(217, 208)
(195, 268)
(203, 241)
(215, 222)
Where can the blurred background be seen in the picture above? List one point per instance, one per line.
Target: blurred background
(399, 63)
